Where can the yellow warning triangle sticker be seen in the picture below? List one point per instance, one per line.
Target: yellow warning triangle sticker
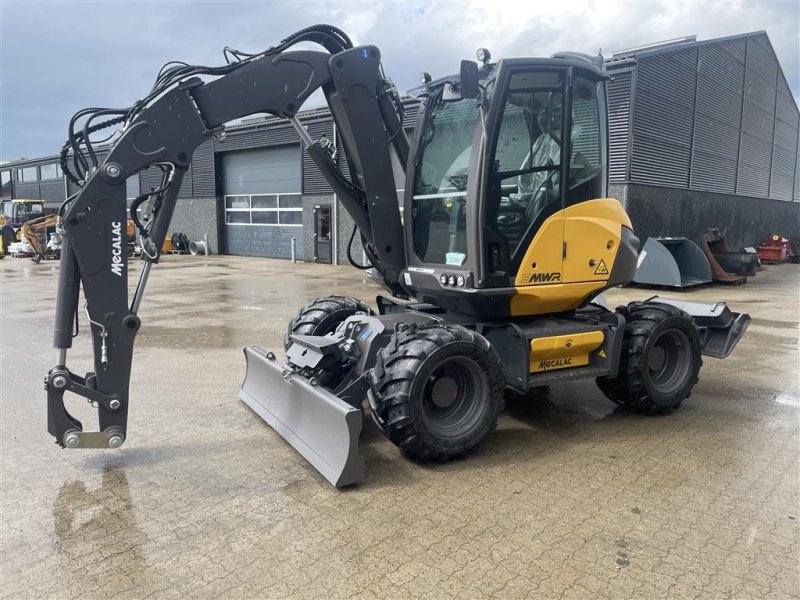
(601, 268)
(602, 354)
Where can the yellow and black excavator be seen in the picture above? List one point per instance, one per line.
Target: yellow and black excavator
(30, 230)
(14, 213)
(493, 274)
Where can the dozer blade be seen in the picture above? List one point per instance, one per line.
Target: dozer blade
(320, 426)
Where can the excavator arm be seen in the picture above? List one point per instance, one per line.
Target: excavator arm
(165, 131)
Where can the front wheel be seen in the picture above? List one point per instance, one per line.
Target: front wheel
(436, 391)
(660, 359)
(322, 316)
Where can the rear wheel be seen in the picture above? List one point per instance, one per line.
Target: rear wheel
(436, 391)
(323, 315)
(660, 359)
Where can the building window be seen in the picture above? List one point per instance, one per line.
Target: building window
(265, 209)
(27, 174)
(5, 183)
(51, 171)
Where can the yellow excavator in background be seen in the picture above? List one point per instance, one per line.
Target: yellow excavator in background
(13, 214)
(30, 230)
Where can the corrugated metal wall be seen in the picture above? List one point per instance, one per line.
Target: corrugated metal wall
(714, 116)
(313, 181)
(203, 170)
(619, 118)
(715, 152)
(784, 145)
(758, 120)
(663, 116)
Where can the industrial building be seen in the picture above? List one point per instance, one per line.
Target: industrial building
(702, 134)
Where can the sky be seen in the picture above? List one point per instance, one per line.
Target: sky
(59, 57)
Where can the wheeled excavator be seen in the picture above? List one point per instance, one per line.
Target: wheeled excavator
(493, 274)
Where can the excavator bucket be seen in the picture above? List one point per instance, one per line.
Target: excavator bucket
(321, 427)
(727, 266)
(672, 262)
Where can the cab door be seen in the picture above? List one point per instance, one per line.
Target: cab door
(524, 196)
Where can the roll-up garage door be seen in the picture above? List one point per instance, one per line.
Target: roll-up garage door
(263, 206)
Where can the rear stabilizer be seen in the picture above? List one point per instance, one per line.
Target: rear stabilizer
(321, 427)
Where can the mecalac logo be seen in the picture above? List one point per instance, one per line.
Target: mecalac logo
(116, 249)
(554, 364)
(545, 278)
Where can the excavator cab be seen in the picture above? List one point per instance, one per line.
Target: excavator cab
(497, 187)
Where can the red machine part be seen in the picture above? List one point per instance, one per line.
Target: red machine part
(775, 249)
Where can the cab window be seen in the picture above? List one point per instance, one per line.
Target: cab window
(440, 187)
(526, 172)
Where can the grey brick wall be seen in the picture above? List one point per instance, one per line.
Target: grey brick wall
(309, 202)
(196, 217)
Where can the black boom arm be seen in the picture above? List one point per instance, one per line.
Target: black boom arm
(93, 224)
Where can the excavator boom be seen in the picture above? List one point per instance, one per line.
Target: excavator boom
(165, 129)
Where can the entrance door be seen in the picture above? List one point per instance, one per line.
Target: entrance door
(322, 234)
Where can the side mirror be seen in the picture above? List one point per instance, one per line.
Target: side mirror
(469, 79)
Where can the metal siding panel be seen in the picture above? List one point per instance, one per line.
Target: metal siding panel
(785, 109)
(262, 171)
(663, 117)
(619, 107)
(761, 58)
(718, 113)
(52, 190)
(28, 190)
(186, 184)
(259, 138)
(797, 172)
(782, 176)
(150, 179)
(72, 188)
(758, 119)
(313, 181)
(203, 170)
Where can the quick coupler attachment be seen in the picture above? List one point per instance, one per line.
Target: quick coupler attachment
(66, 429)
(324, 429)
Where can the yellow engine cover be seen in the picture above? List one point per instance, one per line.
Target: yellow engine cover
(564, 351)
(570, 257)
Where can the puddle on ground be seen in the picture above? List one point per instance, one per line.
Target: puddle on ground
(786, 400)
(775, 324)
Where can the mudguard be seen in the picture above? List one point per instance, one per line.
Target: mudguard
(321, 427)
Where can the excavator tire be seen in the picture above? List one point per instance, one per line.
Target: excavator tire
(660, 360)
(436, 391)
(323, 315)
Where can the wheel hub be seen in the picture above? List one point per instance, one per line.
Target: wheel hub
(657, 358)
(444, 391)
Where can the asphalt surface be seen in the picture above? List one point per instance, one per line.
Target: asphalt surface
(569, 497)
